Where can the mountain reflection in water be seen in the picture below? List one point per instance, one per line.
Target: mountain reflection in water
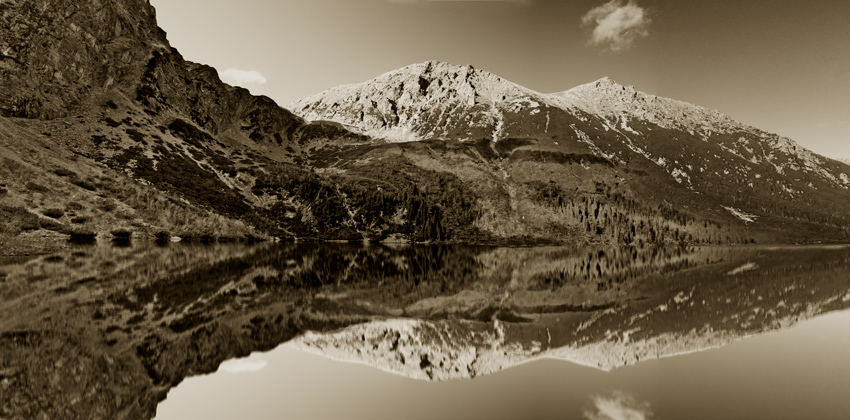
(798, 373)
(105, 332)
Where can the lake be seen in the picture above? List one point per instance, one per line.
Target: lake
(385, 331)
(802, 372)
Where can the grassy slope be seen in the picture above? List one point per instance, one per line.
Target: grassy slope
(54, 178)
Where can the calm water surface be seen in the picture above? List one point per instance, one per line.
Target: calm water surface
(669, 333)
(771, 368)
(799, 373)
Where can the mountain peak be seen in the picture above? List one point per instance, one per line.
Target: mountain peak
(605, 81)
(419, 101)
(440, 64)
(434, 70)
(611, 100)
(606, 85)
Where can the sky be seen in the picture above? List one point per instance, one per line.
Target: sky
(779, 65)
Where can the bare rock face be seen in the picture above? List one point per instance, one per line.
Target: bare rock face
(54, 54)
(171, 83)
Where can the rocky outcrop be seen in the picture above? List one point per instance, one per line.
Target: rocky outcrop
(171, 83)
(55, 54)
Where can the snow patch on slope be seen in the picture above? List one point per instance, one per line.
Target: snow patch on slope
(743, 269)
(746, 217)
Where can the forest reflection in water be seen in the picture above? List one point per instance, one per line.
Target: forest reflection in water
(165, 313)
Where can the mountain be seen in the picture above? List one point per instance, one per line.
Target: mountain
(111, 130)
(655, 151)
(108, 130)
(421, 101)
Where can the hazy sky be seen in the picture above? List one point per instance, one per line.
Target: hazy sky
(780, 65)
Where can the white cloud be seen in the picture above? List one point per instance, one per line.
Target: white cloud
(241, 77)
(242, 366)
(617, 24)
(618, 406)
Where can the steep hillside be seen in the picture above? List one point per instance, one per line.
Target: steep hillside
(96, 107)
(59, 56)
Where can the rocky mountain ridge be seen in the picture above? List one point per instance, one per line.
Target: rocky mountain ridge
(421, 101)
(614, 102)
(99, 84)
(704, 152)
(400, 105)
(54, 55)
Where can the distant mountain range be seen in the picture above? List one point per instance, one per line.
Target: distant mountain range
(116, 132)
(636, 144)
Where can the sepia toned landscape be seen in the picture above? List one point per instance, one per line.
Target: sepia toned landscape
(433, 221)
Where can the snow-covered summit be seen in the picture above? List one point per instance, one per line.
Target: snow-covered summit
(431, 81)
(611, 100)
(429, 99)
(426, 99)
(440, 100)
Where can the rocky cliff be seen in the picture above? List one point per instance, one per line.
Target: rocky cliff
(99, 112)
(54, 55)
(57, 56)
